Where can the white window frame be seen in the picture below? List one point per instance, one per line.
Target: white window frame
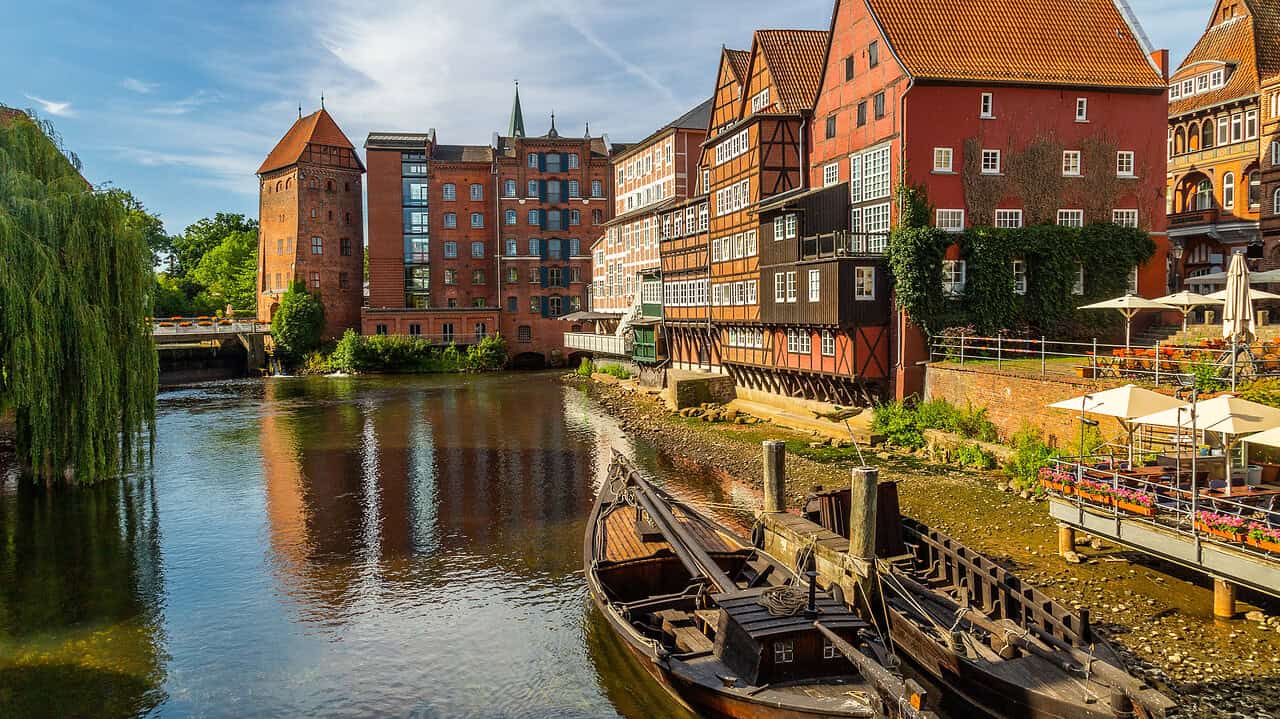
(1125, 217)
(864, 283)
(1125, 159)
(1229, 191)
(830, 174)
(1250, 124)
(1133, 281)
(1224, 131)
(1070, 218)
(991, 162)
(1077, 288)
(791, 287)
(949, 219)
(953, 277)
(1008, 218)
(1071, 163)
(792, 225)
(779, 287)
(779, 228)
(943, 159)
(987, 106)
(1082, 109)
(1237, 127)
(1019, 276)
(828, 343)
(815, 285)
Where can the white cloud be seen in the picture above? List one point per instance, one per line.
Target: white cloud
(51, 107)
(133, 84)
(186, 104)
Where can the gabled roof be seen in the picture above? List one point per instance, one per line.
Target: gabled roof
(317, 128)
(1043, 42)
(462, 153)
(795, 59)
(739, 63)
(695, 119)
(1266, 23)
(1249, 44)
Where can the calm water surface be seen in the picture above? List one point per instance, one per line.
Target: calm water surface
(330, 547)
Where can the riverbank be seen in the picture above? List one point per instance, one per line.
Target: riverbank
(1159, 617)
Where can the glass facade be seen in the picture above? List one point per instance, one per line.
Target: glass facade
(417, 258)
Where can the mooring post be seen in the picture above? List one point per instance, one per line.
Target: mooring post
(775, 476)
(862, 527)
(1066, 540)
(1224, 599)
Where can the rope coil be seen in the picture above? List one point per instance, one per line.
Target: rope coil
(784, 601)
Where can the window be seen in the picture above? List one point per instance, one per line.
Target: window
(864, 283)
(415, 329)
(380, 329)
(451, 277)
(1124, 163)
(524, 333)
(760, 100)
(831, 126)
(553, 192)
(533, 159)
(1251, 125)
(446, 332)
(878, 102)
(344, 281)
(575, 247)
(1275, 149)
(829, 650)
(779, 287)
(799, 342)
(415, 193)
(451, 249)
(555, 277)
(831, 174)
(950, 220)
(477, 191)
(450, 220)
(1133, 280)
(1071, 163)
(450, 191)
(1071, 218)
(953, 277)
(828, 344)
(513, 275)
(478, 277)
(575, 217)
(1009, 218)
(1228, 192)
(344, 247)
(477, 219)
(1125, 218)
(779, 228)
(1237, 128)
(477, 249)
(1082, 109)
(848, 68)
(791, 286)
(1255, 190)
(1078, 287)
(1206, 135)
(990, 162)
(873, 53)
(862, 113)
(869, 176)
(791, 231)
(534, 218)
(1202, 199)
(1019, 277)
(572, 160)
(1224, 133)
(986, 106)
(509, 217)
(942, 158)
(315, 280)
(597, 188)
(317, 246)
(508, 188)
(815, 285)
(1275, 202)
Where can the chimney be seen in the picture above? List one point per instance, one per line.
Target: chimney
(1161, 60)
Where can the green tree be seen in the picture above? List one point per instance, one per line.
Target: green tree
(203, 236)
(150, 226)
(228, 272)
(77, 359)
(298, 323)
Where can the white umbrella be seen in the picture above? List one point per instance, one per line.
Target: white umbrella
(1226, 415)
(1187, 301)
(1129, 305)
(1237, 310)
(1254, 295)
(1124, 403)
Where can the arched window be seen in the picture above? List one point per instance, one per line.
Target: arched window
(1275, 153)
(1193, 138)
(1206, 135)
(288, 183)
(328, 185)
(1203, 197)
(1179, 142)
(1275, 201)
(1229, 191)
(277, 185)
(1255, 190)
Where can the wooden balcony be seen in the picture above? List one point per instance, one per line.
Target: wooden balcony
(1209, 156)
(1194, 218)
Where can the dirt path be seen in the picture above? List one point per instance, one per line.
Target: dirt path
(1159, 617)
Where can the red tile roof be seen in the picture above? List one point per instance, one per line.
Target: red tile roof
(740, 63)
(1046, 42)
(317, 128)
(795, 59)
(1249, 42)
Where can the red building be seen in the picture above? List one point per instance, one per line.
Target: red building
(311, 229)
(470, 240)
(933, 94)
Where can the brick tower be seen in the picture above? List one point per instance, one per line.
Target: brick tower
(311, 227)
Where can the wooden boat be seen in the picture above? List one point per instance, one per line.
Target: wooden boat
(977, 629)
(725, 628)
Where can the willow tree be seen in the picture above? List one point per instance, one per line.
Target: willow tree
(77, 360)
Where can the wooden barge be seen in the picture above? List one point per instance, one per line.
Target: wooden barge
(725, 628)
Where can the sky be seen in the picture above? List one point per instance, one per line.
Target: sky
(180, 101)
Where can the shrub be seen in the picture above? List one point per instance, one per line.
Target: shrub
(298, 323)
(1208, 376)
(971, 455)
(615, 370)
(586, 368)
(1263, 391)
(1030, 455)
(315, 362)
(398, 353)
(902, 424)
(487, 355)
(897, 422)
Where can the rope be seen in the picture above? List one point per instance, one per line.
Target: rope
(783, 601)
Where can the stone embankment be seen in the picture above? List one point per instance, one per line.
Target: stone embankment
(1158, 617)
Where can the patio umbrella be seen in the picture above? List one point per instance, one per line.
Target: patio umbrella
(1237, 310)
(1254, 295)
(1124, 403)
(1185, 302)
(1129, 305)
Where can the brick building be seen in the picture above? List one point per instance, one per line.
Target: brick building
(1224, 116)
(311, 226)
(469, 240)
(942, 97)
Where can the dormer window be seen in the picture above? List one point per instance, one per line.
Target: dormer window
(1175, 91)
(1217, 78)
(1202, 83)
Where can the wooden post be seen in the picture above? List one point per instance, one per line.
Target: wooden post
(862, 531)
(1066, 540)
(1224, 599)
(775, 476)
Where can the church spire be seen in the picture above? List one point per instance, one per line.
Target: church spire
(517, 117)
(552, 132)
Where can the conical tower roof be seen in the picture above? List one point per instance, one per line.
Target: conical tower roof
(517, 117)
(318, 128)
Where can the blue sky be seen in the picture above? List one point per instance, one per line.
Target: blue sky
(180, 101)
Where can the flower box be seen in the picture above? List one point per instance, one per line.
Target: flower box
(1059, 487)
(1220, 534)
(1134, 508)
(1103, 499)
(1262, 544)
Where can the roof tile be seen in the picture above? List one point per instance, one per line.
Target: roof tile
(318, 128)
(795, 59)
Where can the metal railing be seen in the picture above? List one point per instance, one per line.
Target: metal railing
(1162, 363)
(599, 344)
(207, 325)
(843, 243)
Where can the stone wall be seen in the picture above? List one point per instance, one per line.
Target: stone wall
(690, 389)
(1012, 400)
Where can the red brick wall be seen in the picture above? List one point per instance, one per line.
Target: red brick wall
(333, 211)
(464, 292)
(386, 230)
(277, 232)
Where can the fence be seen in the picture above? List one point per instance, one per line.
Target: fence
(207, 325)
(1161, 363)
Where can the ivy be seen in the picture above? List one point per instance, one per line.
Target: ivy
(915, 260)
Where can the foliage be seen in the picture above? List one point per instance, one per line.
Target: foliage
(317, 362)
(1208, 376)
(1052, 255)
(229, 271)
(1263, 391)
(914, 203)
(149, 225)
(971, 455)
(897, 422)
(298, 323)
(1030, 455)
(614, 370)
(966, 422)
(77, 360)
(400, 353)
(585, 368)
(1226, 523)
(202, 236)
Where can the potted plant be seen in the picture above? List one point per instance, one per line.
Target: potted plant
(1094, 491)
(1057, 480)
(1135, 501)
(1223, 526)
(1263, 537)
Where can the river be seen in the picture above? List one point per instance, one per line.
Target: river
(342, 547)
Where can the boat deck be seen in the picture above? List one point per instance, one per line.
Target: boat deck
(622, 542)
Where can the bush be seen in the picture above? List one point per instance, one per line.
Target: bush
(1030, 454)
(1208, 376)
(487, 355)
(399, 353)
(298, 323)
(1263, 391)
(615, 370)
(586, 368)
(971, 455)
(315, 362)
(897, 422)
(902, 425)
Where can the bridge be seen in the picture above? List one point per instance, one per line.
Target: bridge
(213, 336)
